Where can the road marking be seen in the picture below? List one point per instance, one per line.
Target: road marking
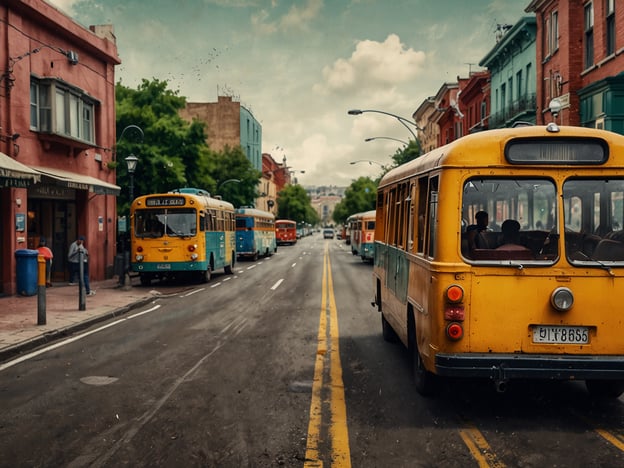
(276, 285)
(478, 446)
(612, 437)
(338, 434)
(194, 291)
(28, 356)
(293, 265)
(251, 267)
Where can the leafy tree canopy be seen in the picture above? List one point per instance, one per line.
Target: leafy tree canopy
(359, 196)
(407, 153)
(294, 203)
(173, 152)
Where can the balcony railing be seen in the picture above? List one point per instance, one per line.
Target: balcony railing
(526, 104)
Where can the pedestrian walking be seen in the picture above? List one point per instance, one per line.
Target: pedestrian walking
(47, 255)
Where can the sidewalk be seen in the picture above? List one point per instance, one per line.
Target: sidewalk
(19, 331)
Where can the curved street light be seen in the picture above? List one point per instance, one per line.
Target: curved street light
(370, 162)
(386, 138)
(403, 120)
(237, 181)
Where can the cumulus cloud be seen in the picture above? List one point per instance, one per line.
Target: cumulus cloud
(371, 66)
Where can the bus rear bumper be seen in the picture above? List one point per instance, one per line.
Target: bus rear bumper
(536, 366)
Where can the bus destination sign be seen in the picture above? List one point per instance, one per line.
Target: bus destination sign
(165, 201)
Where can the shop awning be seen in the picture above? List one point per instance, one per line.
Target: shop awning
(15, 174)
(77, 181)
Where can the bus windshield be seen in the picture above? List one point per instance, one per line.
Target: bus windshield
(165, 222)
(528, 206)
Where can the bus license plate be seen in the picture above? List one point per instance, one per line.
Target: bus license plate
(560, 335)
(163, 266)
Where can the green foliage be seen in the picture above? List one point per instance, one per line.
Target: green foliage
(173, 152)
(359, 196)
(294, 203)
(405, 154)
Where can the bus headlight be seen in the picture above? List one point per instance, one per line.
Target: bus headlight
(138, 258)
(562, 299)
(194, 256)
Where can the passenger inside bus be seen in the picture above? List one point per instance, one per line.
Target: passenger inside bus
(511, 236)
(476, 236)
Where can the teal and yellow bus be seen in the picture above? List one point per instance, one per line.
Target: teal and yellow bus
(181, 233)
(500, 256)
(255, 233)
(362, 235)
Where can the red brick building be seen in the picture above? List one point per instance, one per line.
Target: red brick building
(473, 100)
(57, 135)
(580, 45)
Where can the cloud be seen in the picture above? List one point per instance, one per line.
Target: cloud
(372, 66)
(297, 18)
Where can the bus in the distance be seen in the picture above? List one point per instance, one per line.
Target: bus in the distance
(182, 233)
(362, 235)
(500, 256)
(255, 233)
(285, 231)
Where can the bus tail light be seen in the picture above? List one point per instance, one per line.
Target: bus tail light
(192, 247)
(139, 248)
(454, 294)
(454, 331)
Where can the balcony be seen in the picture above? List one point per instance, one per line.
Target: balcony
(521, 109)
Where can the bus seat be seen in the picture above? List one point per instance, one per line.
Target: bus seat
(502, 254)
(608, 249)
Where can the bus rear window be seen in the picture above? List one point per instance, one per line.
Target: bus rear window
(557, 151)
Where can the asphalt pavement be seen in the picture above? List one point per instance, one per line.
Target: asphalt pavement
(58, 311)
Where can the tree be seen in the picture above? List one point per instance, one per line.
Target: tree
(407, 153)
(235, 178)
(360, 196)
(172, 153)
(294, 203)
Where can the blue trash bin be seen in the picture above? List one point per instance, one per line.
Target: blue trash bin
(27, 271)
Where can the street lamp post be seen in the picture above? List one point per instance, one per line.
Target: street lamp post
(386, 138)
(236, 181)
(403, 120)
(370, 162)
(132, 162)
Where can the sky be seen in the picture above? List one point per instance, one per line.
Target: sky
(300, 65)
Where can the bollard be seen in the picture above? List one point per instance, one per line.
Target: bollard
(82, 295)
(41, 290)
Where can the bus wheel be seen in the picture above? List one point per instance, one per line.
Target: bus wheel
(605, 388)
(255, 256)
(229, 269)
(387, 331)
(427, 384)
(205, 275)
(145, 280)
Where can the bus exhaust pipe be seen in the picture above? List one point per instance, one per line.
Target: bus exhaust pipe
(500, 386)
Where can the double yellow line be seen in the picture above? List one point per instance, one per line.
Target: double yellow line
(328, 397)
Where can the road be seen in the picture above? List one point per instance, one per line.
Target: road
(280, 364)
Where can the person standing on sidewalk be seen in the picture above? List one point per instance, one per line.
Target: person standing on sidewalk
(73, 257)
(47, 255)
(75, 250)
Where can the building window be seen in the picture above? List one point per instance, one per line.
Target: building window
(554, 32)
(589, 34)
(610, 26)
(519, 85)
(73, 111)
(546, 37)
(483, 109)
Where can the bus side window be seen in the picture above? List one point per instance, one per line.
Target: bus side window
(202, 221)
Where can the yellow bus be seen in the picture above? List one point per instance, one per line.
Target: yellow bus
(541, 301)
(362, 234)
(184, 232)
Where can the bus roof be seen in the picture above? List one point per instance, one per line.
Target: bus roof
(487, 149)
(246, 211)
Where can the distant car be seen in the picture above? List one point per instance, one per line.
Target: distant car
(328, 233)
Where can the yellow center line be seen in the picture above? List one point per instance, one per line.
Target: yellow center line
(479, 448)
(338, 431)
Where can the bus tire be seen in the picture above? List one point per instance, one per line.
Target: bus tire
(255, 256)
(605, 388)
(205, 275)
(229, 269)
(387, 331)
(427, 383)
